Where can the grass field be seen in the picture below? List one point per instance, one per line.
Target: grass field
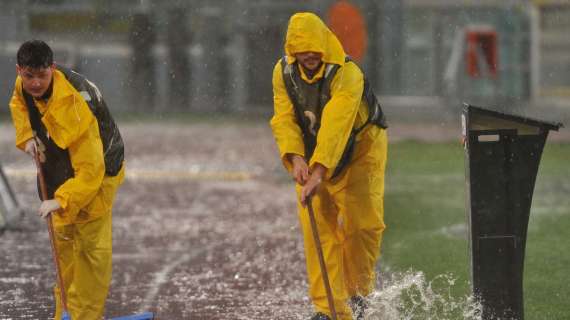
(425, 214)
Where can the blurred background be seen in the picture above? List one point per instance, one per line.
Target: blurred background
(190, 84)
(217, 56)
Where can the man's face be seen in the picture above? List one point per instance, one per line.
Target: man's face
(35, 80)
(309, 60)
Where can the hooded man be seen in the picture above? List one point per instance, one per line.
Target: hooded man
(53, 111)
(330, 131)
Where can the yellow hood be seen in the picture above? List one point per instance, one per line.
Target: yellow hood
(307, 32)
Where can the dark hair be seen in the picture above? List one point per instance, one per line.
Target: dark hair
(34, 54)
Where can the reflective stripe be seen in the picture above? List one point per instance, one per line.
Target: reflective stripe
(328, 70)
(85, 95)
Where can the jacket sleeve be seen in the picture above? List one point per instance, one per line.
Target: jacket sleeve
(339, 114)
(284, 124)
(86, 154)
(20, 118)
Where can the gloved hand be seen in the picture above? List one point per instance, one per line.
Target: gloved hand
(35, 144)
(47, 207)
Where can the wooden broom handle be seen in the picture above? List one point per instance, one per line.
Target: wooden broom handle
(55, 253)
(322, 264)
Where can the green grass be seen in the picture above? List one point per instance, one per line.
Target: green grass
(425, 214)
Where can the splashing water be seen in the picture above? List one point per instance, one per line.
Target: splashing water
(410, 296)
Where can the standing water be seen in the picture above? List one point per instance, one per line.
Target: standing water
(408, 295)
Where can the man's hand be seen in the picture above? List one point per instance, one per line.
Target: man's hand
(313, 182)
(47, 207)
(300, 169)
(35, 145)
(30, 147)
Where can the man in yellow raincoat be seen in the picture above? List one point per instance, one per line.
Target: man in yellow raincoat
(53, 111)
(330, 131)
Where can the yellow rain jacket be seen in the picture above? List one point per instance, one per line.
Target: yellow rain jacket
(83, 225)
(349, 208)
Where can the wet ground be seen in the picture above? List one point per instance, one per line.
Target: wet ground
(205, 227)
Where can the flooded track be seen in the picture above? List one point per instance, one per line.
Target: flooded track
(204, 227)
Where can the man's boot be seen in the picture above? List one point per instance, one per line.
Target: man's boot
(358, 305)
(320, 316)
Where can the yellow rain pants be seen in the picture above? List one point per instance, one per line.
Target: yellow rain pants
(350, 222)
(85, 258)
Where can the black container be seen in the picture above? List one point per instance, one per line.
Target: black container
(502, 155)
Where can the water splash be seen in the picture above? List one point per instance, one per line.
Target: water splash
(409, 296)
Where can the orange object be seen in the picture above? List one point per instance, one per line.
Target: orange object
(347, 23)
(481, 53)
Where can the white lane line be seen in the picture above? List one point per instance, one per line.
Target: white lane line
(161, 277)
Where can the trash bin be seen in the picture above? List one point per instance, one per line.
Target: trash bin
(502, 154)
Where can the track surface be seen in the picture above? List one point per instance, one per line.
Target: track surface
(204, 227)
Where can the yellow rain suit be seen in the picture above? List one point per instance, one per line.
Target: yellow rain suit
(83, 225)
(349, 208)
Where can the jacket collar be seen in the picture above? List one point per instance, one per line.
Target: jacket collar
(318, 75)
